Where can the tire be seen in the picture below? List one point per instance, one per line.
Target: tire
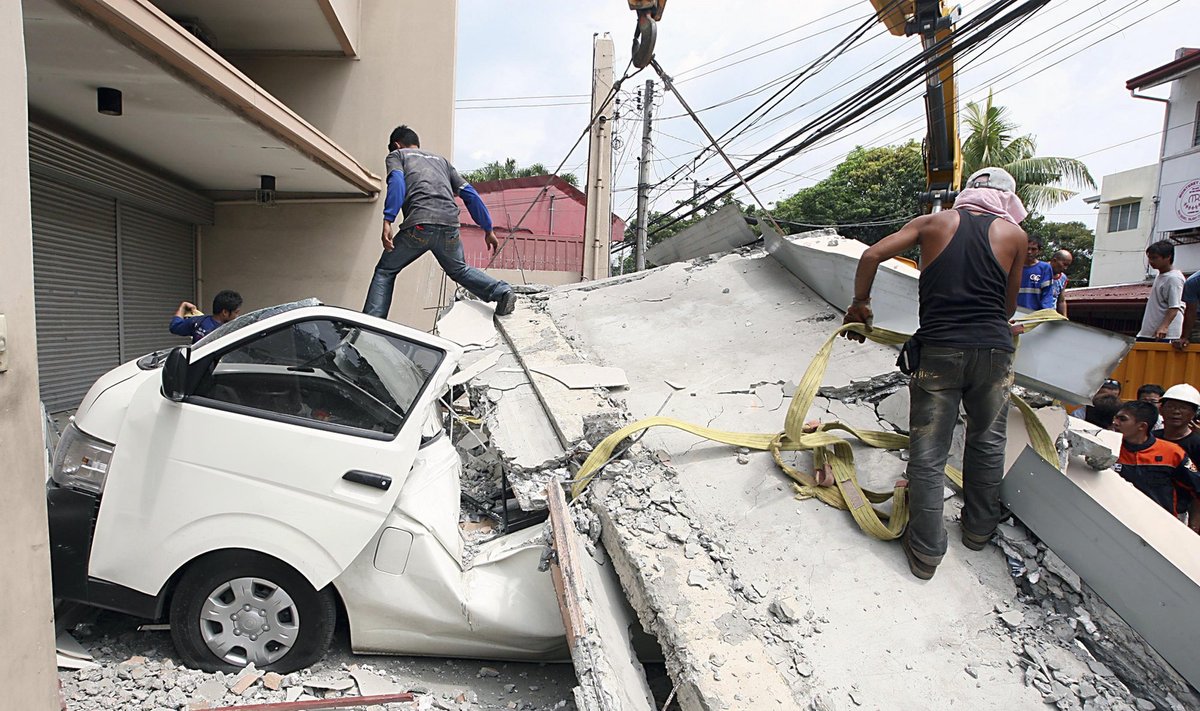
(233, 608)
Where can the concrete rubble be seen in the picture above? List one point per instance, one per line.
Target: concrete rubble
(135, 671)
(759, 600)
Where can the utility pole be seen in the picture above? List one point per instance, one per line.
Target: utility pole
(597, 227)
(643, 195)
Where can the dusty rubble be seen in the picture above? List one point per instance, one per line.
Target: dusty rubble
(135, 670)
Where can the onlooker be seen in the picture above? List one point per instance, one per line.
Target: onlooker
(1059, 264)
(1180, 405)
(1152, 394)
(1102, 411)
(423, 185)
(971, 267)
(1109, 388)
(1191, 297)
(1155, 466)
(1163, 319)
(1037, 280)
(190, 322)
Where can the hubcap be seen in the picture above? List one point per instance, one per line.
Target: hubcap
(249, 620)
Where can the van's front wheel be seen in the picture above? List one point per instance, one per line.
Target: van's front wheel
(233, 609)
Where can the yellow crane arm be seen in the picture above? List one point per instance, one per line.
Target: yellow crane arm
(934, 22)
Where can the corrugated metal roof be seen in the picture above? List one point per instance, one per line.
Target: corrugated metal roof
(1133, 293)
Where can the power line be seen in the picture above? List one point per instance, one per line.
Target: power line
(854, 108)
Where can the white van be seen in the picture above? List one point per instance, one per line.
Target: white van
(291, 463)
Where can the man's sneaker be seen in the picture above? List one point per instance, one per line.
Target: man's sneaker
(974, 541)
(506, 303)
(919, 568)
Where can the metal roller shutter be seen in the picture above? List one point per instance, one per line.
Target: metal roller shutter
(157, 272)
(75, 290)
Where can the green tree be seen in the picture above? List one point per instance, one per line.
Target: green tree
(508, 169)
(1075, 237)
(992, 140)
(867, 196)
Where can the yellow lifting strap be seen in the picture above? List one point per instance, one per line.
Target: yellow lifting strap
(827, 448)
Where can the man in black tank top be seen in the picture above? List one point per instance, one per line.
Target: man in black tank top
(971, 260)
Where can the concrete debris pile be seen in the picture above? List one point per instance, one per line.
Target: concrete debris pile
(151, 681)
(1121, 670)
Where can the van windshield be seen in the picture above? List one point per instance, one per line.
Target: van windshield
(254, 317)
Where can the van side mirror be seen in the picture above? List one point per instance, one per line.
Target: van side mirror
(174, 374)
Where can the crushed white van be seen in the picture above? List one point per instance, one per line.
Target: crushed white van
(290, 463)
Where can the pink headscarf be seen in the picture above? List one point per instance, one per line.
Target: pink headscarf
(1000, 203)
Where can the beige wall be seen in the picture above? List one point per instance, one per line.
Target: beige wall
(28, 679)
(1119, 257)
(404, 74)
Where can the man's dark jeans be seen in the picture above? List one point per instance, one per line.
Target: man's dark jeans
(410, 243)
(980, 379)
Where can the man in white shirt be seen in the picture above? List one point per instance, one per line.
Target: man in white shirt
(1163, 320)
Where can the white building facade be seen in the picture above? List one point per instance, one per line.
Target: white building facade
(1124, 225)
(1160, 201)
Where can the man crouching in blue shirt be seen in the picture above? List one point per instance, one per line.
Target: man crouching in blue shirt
(226, 306)
(424, 185)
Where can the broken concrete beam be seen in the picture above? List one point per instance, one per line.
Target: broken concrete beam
(721, 231)
(1141, 560)
(692, 621)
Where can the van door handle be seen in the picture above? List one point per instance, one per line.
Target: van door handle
(375, 481)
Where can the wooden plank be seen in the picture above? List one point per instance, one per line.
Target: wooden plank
(610, 676)
(317, 704)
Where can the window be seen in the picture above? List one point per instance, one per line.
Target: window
(1124, 216)
(1196, 127)
(322, 373)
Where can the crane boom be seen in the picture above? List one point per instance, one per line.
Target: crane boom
(934, 22)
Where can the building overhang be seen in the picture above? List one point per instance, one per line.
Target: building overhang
(1189, 62)
(309, 27)
(186, 111)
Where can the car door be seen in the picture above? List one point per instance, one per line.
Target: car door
(292, 441)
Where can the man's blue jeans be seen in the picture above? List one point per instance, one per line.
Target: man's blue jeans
(981, 380)
(411, 243)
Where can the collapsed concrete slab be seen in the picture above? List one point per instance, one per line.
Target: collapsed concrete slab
(721, 231)
(717, 557)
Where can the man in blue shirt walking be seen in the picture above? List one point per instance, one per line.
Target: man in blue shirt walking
(424, 184)
(1037, 281)
(225, 307)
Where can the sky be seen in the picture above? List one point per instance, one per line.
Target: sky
(524, 72)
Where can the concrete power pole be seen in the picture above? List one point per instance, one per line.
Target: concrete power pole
(597, 230)
(643, 196)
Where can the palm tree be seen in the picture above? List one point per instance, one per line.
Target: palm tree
(508, 169)
(992, 141)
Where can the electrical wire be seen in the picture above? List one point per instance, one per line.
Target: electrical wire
(852, 109)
